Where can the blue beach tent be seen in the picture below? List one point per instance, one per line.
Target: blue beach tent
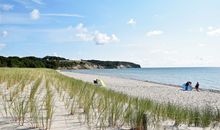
(186, 88)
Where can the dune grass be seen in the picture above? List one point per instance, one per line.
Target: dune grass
(95, 106)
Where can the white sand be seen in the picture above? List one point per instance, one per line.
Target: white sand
(161, 93)
(153, 91)
(62, 120)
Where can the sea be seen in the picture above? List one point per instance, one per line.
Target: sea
(208, 77)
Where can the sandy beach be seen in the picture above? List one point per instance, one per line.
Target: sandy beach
(62, 120)
(53, 94)
(157, 92)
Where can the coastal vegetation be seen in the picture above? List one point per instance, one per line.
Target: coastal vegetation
(28, 95)
(54, 62)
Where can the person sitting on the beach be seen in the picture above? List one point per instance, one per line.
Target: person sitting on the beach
(99, 82)
(95, 81)
(197, 86)
(190, 86)
(187, 86)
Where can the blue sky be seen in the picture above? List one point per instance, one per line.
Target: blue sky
(153, 33)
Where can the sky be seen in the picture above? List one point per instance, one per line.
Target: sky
(152, 33)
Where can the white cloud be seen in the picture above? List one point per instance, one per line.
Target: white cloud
(62, 15)
(131, 22)
(213, 31)
(4, 33)
(154, 33)
(25, 3)
(210, 28)
(37, 1)
(99, 38)
(28, 4)
(35, 14)
(84, 36)
(102, 38)
(81, 29)
(6, 7)
(201, 44)
(83, 33)
(2, 45)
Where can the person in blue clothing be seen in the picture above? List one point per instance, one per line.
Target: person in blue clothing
(187, 86)
(190, 86)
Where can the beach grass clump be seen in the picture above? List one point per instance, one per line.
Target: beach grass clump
(47, 108)
(19, 110)
(116, 111)
(34, 105)
(97, 107)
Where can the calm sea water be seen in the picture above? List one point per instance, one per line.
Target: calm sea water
(208, 78)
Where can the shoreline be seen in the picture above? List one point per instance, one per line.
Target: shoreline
(148, 81)
(173, 85)
(160, 93)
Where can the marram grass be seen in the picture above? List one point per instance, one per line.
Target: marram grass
(95, 106)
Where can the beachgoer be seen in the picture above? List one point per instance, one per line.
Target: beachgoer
(197, 86)
(95, 81)
(190, 86)
(99, 82)
(187, 86)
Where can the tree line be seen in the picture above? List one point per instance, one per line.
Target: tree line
(31, 62)
(55, 62)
